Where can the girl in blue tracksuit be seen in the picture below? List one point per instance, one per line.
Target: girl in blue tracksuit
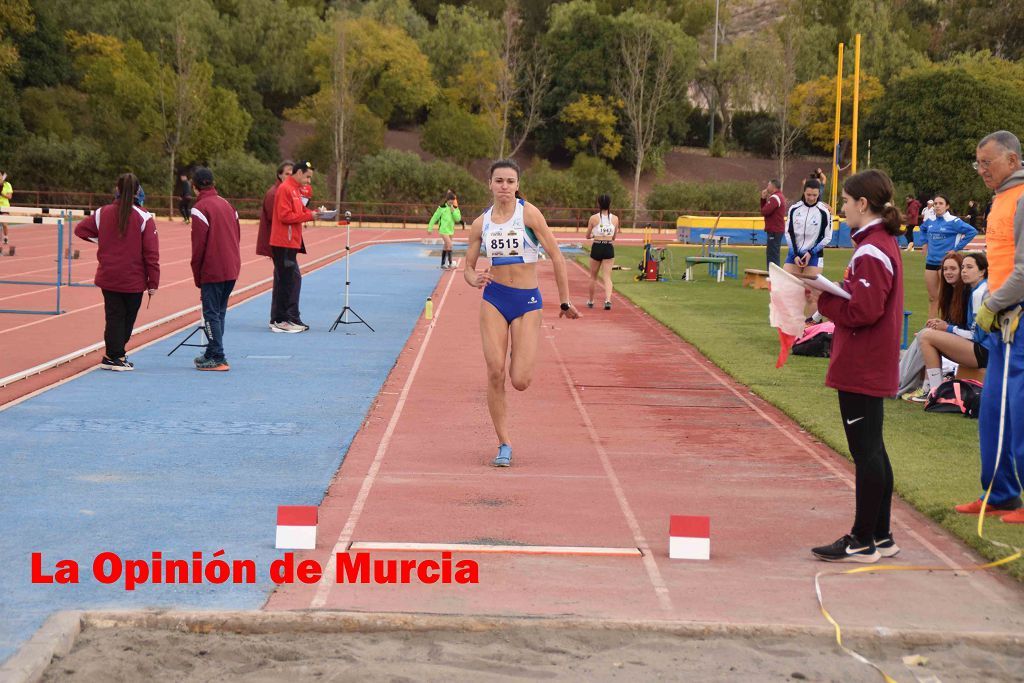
(940, 235)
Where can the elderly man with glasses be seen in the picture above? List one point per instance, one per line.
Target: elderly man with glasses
(998, 162)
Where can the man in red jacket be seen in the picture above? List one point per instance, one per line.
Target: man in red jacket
(284, 169)
(773, 208)
(216, 262)
(286, 243)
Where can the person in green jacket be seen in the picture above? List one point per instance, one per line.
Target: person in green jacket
(5, 199)
(445, 218)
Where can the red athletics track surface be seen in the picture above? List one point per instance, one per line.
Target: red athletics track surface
(30, 340)
(624, 425)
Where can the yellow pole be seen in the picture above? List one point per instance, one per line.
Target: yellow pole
(835, 146)
(856, 96)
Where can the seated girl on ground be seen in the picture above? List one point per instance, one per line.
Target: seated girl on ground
(952, 308)
(962, 345)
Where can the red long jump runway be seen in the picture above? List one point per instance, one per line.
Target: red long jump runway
(605, 451)
(31, 340)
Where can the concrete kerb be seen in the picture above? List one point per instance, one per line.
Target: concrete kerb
(58, 634)
(55, 638)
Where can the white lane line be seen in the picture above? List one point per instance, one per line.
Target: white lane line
(323, 588)
(653, 573)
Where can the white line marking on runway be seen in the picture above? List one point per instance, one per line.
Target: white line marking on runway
(660, 589)
(323, 588)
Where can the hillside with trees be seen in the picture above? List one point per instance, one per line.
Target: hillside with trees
(585, 91)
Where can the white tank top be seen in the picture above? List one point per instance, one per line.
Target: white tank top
(605, 227)
(510, 242)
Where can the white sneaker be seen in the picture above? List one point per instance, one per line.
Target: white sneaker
(289, 328)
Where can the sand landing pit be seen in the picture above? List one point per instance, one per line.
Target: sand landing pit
(269, 646)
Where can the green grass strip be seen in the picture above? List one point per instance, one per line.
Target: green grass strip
(934, 456)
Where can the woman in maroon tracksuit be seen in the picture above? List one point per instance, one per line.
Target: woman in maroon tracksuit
(129, 265)
(864, 364)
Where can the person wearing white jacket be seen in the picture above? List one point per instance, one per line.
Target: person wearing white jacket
(808, 231)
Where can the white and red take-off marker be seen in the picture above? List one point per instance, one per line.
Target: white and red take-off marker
(296, 527)
(689, 537)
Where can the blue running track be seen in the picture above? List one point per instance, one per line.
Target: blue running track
(167, 458)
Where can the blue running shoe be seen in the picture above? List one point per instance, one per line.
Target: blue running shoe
(504, 458)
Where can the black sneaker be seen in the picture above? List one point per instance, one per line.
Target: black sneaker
(886, 546)
(607, 305)
(847, 549)
(116, 364)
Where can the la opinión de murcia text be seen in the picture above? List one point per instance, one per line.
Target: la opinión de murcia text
(109, 568)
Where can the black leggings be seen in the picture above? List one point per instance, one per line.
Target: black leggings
(120, 309)
(862, 419)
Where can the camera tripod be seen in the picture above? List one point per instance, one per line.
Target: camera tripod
(342, 318)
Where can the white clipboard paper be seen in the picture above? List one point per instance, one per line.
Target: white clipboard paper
(823, 284)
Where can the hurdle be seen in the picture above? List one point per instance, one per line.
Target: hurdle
(68, 215)
(43, 220)
(42, 211)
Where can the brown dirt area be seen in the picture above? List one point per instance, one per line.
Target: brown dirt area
(125, 654)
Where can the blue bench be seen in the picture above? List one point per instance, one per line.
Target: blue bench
(716, 266)
(732, 264)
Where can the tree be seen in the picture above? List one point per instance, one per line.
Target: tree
(652, 59)
(43, 53)
(143, 111)
(182, 93)
(461, 34)
(922, 135)
(16, 19)
(404, 177)
(970, 25)
(522, 80)
(584, 44)
(119, 81)
(453, 133)
(814, 102)
(776, 73)
(334, 106)
(54, 111)
(593, 120)
(885, 48)
(578, 186)
(395, 77)
(45, 162)
(399, 13)
(727, 78)
(782, 53)
(367, 73)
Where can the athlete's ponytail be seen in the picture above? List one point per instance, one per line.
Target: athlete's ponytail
(127, 188)
(876, 187)
(892, 219)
